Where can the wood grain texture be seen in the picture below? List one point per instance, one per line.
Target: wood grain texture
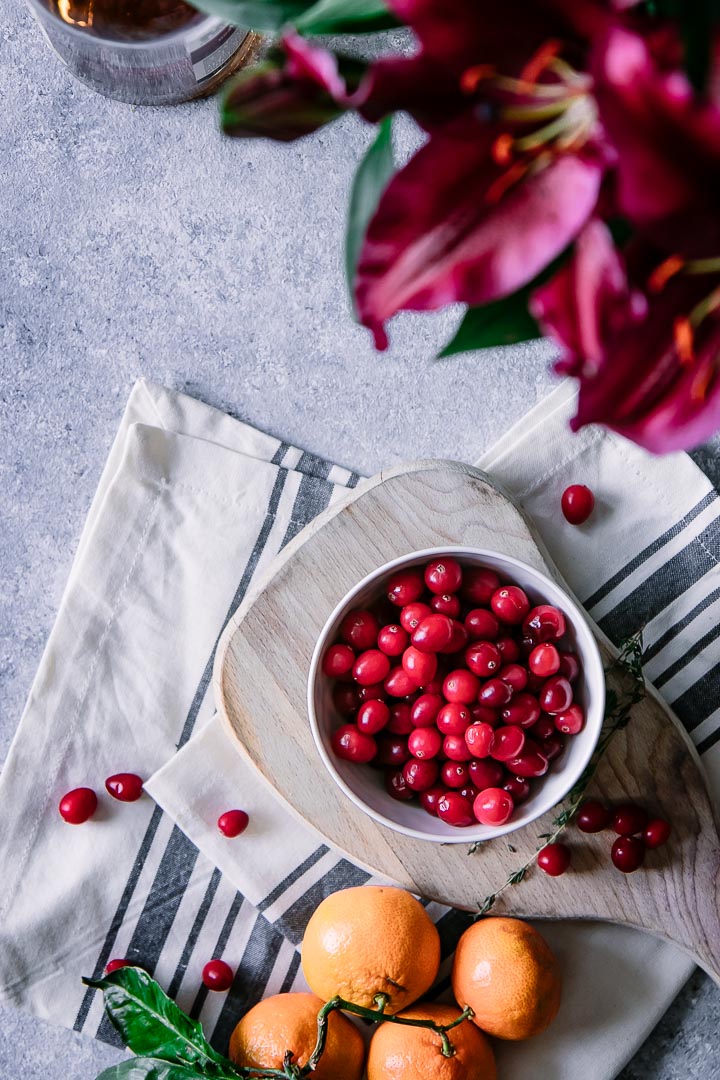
(260, 687)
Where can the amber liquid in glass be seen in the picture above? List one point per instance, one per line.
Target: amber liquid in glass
(124, 20)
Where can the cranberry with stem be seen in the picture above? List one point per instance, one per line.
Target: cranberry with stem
(554, 859)
(413, 614)
(447, 604)
(578, 503)
(443, 575)
(628, 854)
(233, 823)
(393, 640)
(510, 604)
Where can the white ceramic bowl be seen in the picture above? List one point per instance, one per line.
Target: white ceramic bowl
(363, 785)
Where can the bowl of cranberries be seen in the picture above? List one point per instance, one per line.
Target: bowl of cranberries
(456, 694)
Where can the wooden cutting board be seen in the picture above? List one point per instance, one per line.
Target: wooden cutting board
(260, 686)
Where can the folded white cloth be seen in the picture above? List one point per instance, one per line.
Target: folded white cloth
(191, 507)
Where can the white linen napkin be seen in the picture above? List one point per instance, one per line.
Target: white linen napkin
(191, 507)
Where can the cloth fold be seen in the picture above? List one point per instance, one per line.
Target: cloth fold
(191, 508)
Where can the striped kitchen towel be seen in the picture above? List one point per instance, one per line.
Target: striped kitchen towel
(191, 508)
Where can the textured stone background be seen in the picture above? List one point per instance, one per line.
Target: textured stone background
(141, 242)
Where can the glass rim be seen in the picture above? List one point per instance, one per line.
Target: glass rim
(148, 43)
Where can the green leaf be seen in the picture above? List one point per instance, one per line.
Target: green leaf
(346, 17)
(269, 15)
(371, 179)
(503, 322)
(144, 1068)
(153, 1026)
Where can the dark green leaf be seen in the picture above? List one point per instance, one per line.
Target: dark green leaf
(370, 181)
(145, 1068)
(346, 17)
(266, 15)
(152, 1025)
(503, 322)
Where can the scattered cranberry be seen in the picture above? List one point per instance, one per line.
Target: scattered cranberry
(461, 685)
(629, 819)
(570, 722)
(544, 660)
(628, 853)
(494, 806)
(425, 742)
(593, 816)
(360, 629)
(115, 965)
(425, 709)
(508, 742)
(443, 576)
(453, 718)
(217, 975)
(371, 667)
(413, 614)
(453, 808)
(420, 775)
(495, 693)
(556, 695)
(479, 584)
(372, 717)
(554, 859)
(352, 745)
(393, 640)
(446, 604)
(482, 625)
(420, 666)
(454, 774)
(399, 684)
(397, 786)
(125, 787)
(485, 774)
(657, 832)
(483, 658)
(577, 503)
(544, 623)
(78, 806)
(510, 604)
(523, 710)
(233, 822)
(479, 738)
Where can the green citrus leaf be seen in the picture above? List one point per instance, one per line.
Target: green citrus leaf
(371, 179)
(346, 17)
(503, 322)
(269, 15)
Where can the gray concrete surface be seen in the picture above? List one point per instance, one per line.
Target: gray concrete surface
(139, 241)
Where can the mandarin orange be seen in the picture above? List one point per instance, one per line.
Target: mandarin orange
(414, 1053)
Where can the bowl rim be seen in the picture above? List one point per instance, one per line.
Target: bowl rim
(577, 616)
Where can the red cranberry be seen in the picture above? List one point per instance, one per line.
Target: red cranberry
(400, 718)
(544, 728)
(412, 615)
(217, 975)
(483, 714)
(577, 503)
(554, 859)
(469, 792)
(523, 710)
(544, 660)
(78, 805)
(629, 819)
(493, 806)
(360, 629)
(372, 717)
(657, 832)
(514, 675)
(530, 762)
(507, 743)
(346, 699)
(509, 649)
(443, 575)
(569, 666)
(124, 786)
(433, 633)
(461, 685)
(510, 604)
(115, 965)
(485, 774)
(376, 692)
(454, 774)
(371, 667)
(405, 587)
(425, 742)
(556, 695)
(420, 775)
(420, 666)
(544, 623)
(479, 584)
(434, 686)
(399, 684)
(483, 659)
(455, 810)
(628, 853)
(518, 787)
(429, 799)
(393, 640)
(397, 786)
(447, 604)
(482, 625)
(456, 749)
(553, 747)
(232, 823)
(392, 750)
(453, 718)
(337, 661)
(425, 710)
(570, 722)
(479, 738)
(352, 745)
(495, 693)
(593, 816)
(458, 640)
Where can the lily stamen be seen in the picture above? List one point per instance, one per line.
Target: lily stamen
(502, 149)
(684, 337)
(540, 61)
(504, 182)
(473, 76)
(701, 382)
